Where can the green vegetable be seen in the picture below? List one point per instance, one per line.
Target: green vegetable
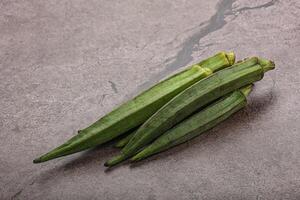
(136, 111)
(190, 100)
(123, 141)
(198, 123)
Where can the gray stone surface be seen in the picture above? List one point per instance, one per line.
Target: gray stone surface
(65, 63)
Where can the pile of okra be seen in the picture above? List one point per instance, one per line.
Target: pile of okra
(173, 111)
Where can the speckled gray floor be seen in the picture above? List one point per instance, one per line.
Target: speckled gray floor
(64, 63)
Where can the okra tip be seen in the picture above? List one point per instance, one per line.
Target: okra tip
(230, 57)
(37, 160)
(114, 161)
(41, 159)
(137, 157)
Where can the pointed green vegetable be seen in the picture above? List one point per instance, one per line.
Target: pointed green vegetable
(196, 96)
(136, 111)
(198, 123)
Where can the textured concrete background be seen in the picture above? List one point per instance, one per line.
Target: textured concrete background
(64, 63)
